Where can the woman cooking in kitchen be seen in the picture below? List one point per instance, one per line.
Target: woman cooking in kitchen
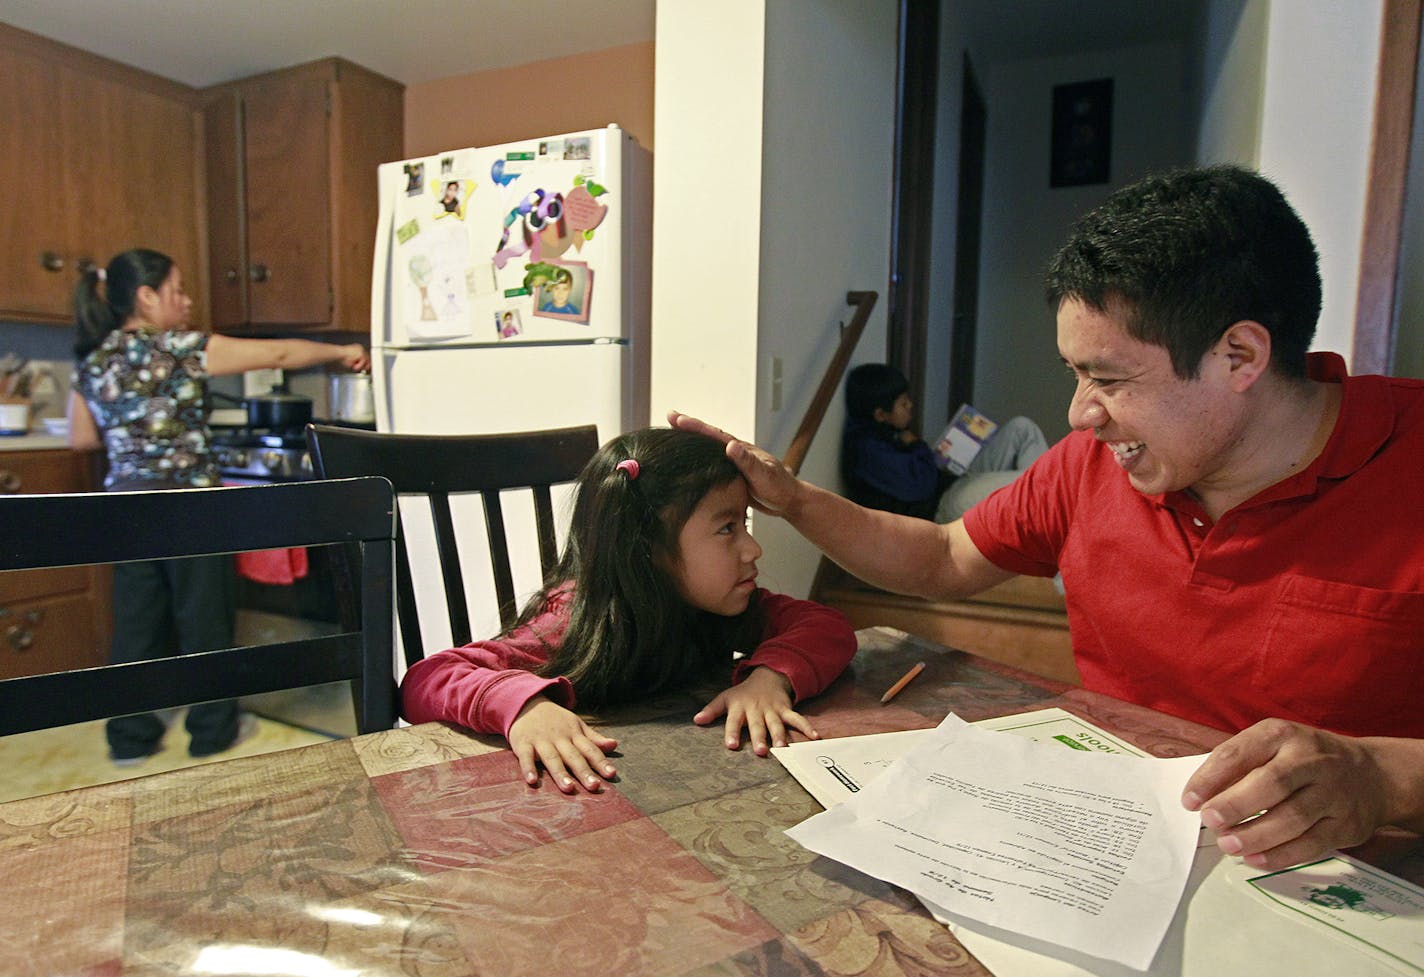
(140, 391)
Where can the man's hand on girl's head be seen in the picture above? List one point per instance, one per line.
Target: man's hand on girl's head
(773, 488)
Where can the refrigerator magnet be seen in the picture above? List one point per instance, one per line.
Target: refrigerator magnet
(414, 179)
(566, 293)
(453, 195)
(507, 324)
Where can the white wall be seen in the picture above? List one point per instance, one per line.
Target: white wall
(1017, 370)
(707, 210)
(1322, 57)
(934, 411)
(1289, 88)
(1409, 338)
(775, 130)
(1232, 82)
(826, 215)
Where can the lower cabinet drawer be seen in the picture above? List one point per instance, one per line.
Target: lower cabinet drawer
(51, 635)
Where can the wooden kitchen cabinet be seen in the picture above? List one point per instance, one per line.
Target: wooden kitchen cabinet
(97, 157)
(51, 619)
(291, 161)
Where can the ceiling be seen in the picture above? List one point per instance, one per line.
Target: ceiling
(204, 42)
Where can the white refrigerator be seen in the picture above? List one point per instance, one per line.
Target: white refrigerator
(511, 292)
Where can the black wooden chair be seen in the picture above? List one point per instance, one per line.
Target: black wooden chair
(117, 527)
(441, 466)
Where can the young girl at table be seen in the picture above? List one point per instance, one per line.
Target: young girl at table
(140, 392)
(656, 589)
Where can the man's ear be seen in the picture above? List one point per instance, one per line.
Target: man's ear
(1245, 349)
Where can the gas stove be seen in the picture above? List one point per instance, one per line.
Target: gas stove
(250, 456)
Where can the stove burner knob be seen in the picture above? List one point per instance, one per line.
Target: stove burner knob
(272, 459)
(306, 465)
(233, 457)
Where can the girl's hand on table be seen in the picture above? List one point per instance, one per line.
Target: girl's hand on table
(762, 703)
(546, 733)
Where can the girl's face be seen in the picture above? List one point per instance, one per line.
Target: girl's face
(168, 306)
(716, 566)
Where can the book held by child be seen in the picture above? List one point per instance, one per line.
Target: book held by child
(962, 439)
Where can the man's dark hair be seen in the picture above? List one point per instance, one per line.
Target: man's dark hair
(870, 386)
(1190, 253)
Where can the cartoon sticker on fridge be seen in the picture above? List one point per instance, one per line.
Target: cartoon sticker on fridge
(545, 224)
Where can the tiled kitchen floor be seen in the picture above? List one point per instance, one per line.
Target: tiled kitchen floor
(49, 760)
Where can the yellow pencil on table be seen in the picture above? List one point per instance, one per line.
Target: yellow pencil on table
(894, 690)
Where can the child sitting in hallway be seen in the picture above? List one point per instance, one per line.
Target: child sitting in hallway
(888, 466)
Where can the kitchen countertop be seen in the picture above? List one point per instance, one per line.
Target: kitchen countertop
(37, 440)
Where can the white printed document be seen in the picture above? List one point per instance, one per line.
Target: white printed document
(1086, 852)
(837, 769)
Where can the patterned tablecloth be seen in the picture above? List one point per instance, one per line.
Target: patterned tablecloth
(419, 852)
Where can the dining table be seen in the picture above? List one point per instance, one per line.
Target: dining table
(419, 851)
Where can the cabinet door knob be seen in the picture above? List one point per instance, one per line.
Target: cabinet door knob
(19, 638)
(231, 274)
(259, 273)
(50, 261)
(9, 482)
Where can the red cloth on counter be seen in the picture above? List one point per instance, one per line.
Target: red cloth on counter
(273, 566)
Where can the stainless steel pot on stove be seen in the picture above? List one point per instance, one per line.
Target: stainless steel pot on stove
(349, 398)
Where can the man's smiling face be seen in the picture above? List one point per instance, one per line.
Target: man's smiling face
(1167, 434)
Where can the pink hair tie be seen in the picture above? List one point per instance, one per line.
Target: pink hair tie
(628, 468)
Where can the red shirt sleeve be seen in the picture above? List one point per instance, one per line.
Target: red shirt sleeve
(809, 643)
(484, 684)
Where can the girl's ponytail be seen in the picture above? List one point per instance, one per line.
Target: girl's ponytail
(98, 315)
(92, 313)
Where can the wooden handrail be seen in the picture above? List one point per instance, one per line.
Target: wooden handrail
(830, 383)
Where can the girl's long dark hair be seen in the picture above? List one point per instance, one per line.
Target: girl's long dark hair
(98, 315)
(630, 633)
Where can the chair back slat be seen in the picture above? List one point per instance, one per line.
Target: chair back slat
(544, 520)
(38, 531)
(442, 467)
(447, 549)
(409, 624)
(499, 559)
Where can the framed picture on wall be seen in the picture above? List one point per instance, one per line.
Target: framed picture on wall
(1082, 133)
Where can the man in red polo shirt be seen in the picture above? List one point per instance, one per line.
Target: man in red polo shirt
(1239, 525)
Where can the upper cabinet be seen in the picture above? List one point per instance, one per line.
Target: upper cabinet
(291, 161)
(96, 158)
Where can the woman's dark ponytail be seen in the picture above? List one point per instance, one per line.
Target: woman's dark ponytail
(97, 315)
